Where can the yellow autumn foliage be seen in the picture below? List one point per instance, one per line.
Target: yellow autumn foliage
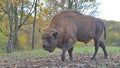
(23, 41)
(25, 36)
(4, 26)
(40, 4)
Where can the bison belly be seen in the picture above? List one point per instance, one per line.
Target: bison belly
(85, 36)
(84, 39)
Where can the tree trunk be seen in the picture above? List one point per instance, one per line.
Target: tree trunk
(15, 38)
(70, 4)
(33, 34)
(13, 22)
(10, 16)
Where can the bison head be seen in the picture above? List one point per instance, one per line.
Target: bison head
(49, 39)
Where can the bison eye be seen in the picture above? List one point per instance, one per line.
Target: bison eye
(42, 37)
(48, 37)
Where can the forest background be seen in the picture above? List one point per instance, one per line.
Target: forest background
(22, 21)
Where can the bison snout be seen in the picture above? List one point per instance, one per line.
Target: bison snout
(45, 47)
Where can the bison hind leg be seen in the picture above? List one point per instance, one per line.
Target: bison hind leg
(104, 49)
(70, 54)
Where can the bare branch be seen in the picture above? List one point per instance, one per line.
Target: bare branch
(3, 32)
(21, 15)
(3, 8)
(2, 16)
(26, 18)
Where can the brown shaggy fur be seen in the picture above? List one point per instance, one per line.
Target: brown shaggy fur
(72, 26)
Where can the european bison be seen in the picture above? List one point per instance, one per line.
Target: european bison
(69, 26)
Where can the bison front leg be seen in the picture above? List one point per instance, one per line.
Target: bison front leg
(63, 55)
(70, 54)
(68, 46)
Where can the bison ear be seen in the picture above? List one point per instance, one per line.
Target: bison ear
(54, 33)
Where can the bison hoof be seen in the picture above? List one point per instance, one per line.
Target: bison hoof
(93, 58)
(71, 59)
(106, 57)
(62, 59)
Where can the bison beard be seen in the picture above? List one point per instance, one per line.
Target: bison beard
(70, 26)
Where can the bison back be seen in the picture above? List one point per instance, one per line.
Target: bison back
(75, 25)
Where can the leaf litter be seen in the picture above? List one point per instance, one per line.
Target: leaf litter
(54, 61)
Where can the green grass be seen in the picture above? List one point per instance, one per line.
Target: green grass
(2, 42)
(39, 53)
(29, 54)
(87, 49)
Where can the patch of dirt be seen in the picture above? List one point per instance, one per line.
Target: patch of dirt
(54, 61)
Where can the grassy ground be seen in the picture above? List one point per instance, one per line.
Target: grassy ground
(85, 49)
(39, 58)
(39, 53)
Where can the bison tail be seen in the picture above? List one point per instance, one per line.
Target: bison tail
(105, 33)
